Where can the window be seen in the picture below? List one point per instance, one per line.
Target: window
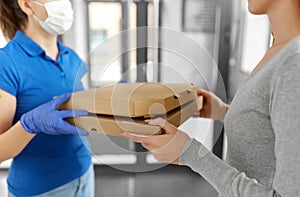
(105, 20)
(113, 55)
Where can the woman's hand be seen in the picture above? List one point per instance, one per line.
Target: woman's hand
(165, 148)
(213, 107)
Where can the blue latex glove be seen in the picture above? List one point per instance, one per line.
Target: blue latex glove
(45, 118)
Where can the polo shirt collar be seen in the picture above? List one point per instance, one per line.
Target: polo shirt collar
(32, 48)
(62, 49)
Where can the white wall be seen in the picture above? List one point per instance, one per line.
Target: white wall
(2, 40)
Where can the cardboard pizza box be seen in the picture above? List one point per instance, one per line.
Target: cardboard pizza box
(132, 99)
(113, 125)
(125, 106)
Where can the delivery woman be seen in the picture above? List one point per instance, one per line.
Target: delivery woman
(50, 156)
(262, 122)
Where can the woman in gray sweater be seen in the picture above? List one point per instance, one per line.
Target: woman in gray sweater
(262, 123)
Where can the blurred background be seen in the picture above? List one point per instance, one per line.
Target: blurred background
(213, 44)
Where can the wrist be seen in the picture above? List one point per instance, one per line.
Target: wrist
(23, 122)
(226, 107)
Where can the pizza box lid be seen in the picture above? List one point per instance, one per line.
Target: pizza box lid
(132, 99)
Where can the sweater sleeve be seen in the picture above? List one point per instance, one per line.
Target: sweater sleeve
(285, 114)
(227, 180)
(285, 117)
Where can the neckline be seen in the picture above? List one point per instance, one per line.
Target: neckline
(274, 57)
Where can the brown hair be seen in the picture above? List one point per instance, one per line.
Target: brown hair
(12, 18)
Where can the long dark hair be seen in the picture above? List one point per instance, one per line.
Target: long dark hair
(12, 18)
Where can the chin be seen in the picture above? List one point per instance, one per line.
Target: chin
(255, 12)
(257, 8)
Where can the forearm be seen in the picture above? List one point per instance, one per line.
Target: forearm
(227, 180)
(213, 107)
(13, 141)
(219, 113)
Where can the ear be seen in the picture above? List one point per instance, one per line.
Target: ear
(26, 7)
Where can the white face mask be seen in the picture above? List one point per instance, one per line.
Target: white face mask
(60, 16)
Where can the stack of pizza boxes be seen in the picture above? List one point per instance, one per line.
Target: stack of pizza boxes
(125, 106)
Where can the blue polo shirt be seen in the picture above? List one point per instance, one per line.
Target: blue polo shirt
(26, 72)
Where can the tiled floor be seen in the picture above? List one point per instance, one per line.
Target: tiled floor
(170, 181)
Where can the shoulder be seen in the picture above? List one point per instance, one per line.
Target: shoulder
(9, 68)
(72, 52)
(287, 75)
(289, 59)
(285, 72)
(73, 60)
(10, 50)
(6, 55)
(289, 65)
(292, 51)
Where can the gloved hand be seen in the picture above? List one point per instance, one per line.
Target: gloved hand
(45, 118)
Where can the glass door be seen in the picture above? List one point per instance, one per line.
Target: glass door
(113, 37)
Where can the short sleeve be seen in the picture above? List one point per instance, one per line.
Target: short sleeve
(8, 74)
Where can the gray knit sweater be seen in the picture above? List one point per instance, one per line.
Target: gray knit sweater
(263, 130)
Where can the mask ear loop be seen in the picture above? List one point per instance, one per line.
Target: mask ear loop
(38, 3)
(34, 16)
